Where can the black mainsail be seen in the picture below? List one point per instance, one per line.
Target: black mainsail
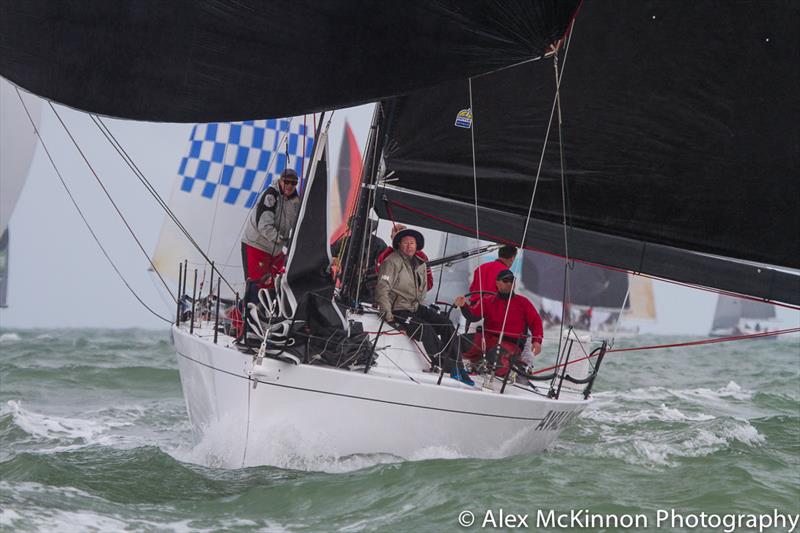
(680, 144)
(228, 60)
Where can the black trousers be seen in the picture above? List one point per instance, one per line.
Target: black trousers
(434, 330)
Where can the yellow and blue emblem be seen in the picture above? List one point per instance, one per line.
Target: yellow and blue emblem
(464, 118)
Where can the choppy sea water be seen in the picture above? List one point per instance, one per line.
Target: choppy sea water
(94, 436)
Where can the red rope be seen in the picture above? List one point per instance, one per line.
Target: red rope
(678, 345)
(503, 240)
(391, 214)
(710, 341)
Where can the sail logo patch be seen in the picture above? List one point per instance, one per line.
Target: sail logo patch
(464, 119)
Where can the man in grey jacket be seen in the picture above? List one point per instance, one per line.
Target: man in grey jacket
(268, 227)
(400, 294)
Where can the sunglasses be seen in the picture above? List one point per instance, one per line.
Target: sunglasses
(506, 280)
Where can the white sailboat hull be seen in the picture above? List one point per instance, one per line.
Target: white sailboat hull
(281, 413)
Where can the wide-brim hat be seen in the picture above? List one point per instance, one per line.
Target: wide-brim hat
(408, 233)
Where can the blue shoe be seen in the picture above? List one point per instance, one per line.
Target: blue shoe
(462, 376)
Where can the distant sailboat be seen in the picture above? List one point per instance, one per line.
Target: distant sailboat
(737, 316)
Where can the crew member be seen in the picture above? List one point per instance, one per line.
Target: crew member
(483, 278)
(400, 294)
(515, 310)
(389, 249)
(268, 228)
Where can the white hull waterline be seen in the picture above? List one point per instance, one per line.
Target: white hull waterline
(250, 414)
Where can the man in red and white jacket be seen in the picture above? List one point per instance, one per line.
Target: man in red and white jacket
(520, 318)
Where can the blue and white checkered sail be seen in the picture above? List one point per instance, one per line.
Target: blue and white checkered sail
(225, 168)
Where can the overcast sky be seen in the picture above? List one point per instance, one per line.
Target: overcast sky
(59, 278)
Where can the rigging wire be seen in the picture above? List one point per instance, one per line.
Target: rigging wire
(566, 298)
(475, 203)
(366, 238)
(699, 342)
(556, 101)
(219, 197)
(441, 273)
(151, 189)
(110, 199)
(83, 217)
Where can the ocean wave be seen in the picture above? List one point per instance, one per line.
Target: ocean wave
(39, 519)
(55, 427)
(9, 337)
(656, 393)
(648, 448)
(663, 413)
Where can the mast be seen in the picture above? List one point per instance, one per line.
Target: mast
(358, 243)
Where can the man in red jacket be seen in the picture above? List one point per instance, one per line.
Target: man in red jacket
(483, 278)
(514, 323)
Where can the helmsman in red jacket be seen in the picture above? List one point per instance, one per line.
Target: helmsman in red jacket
(520, 318)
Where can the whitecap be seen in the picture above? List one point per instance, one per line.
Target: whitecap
(8, 517)
(732, 390)
(57, 428)
(9, 337)
(649, 449)
(663, 414)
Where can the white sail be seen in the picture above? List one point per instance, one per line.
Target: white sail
(17, 147)
(642, 301)
(734, 316)
(225, 168)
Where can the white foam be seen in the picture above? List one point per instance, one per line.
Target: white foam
(663, 413)
(8, 517)
(436, 452)
(645, 448)
(9, 337)
(731, 390)
(69, 521)
(59, 428)
(284, 445)
(81, 521)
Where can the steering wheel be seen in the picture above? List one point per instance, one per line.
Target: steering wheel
(448, 306)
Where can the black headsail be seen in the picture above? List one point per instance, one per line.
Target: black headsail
(225, 60)
(307, 283)
(681, 146)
